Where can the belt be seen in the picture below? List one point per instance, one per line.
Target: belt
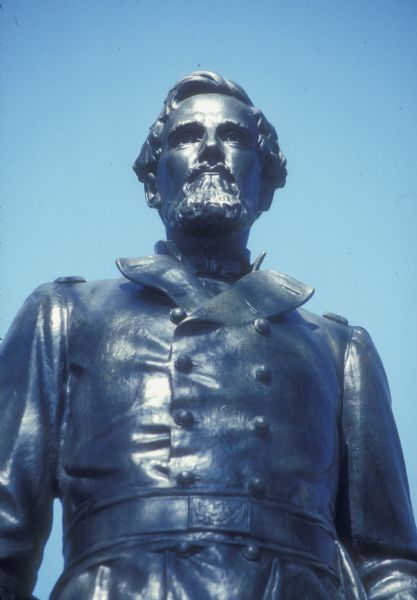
(104, 523)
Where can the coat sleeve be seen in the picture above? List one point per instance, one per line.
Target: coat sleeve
(375, 518)
(32, 367)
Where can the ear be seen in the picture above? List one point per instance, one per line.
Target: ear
(151, 191)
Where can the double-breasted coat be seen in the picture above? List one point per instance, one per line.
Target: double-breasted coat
(207, 440)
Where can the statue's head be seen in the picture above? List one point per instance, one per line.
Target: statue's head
(211, 162)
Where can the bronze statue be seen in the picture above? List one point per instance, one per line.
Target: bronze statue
(208, 437)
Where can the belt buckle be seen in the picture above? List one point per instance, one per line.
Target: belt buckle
(219, 514)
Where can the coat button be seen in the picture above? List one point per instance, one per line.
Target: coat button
(184, 417)
(183, 363)
(260, 424)
(251, 552)
(257, 487)
(185, 478)
(262, 326)
(177, 315)
(184, 549)
(263, 374)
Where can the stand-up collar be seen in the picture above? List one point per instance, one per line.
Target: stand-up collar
(209, 262)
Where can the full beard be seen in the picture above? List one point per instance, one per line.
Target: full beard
(208, 205)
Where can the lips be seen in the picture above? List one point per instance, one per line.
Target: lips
(204, 168)
(212, 182)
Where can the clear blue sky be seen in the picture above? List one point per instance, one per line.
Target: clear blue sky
(81, 82)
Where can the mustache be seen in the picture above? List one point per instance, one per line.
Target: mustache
(218, 169)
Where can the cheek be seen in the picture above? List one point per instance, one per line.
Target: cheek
(172, 170)
(250, 174)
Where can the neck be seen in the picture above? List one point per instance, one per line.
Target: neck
(227, 247)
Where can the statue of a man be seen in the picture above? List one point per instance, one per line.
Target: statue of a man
(209, 439)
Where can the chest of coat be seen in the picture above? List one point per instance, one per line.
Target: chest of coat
(179, 389)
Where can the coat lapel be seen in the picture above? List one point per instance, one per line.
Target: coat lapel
(168, 275)
(258, 294)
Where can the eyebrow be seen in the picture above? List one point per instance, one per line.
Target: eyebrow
(230, 122)
(234, 123)
(184, 124)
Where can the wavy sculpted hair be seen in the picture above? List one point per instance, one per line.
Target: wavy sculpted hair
(205, 82)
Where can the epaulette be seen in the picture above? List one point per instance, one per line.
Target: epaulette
(334, 317)
(70, 279)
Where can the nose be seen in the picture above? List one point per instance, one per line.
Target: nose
(211, 151)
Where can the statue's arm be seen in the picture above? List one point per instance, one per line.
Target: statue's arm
(31, 375)
(375, 517)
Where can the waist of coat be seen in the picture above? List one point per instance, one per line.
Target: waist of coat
(291, 533)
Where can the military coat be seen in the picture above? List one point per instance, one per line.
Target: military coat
(208, 441)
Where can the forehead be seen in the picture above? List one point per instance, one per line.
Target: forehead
(212, 110)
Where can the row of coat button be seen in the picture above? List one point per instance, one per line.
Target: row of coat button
(256, 486)
(184, 364)
(250, 551)
(262, 326)
(185, 418)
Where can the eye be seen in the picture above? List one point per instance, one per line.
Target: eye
(233, 136)
(182, 138)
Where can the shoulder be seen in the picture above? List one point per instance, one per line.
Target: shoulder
(328, 323)
(64, 293)
(77, 285)
(351, 345)
(331, 330)
(84, 297)
(337, 328)
(70, 279)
